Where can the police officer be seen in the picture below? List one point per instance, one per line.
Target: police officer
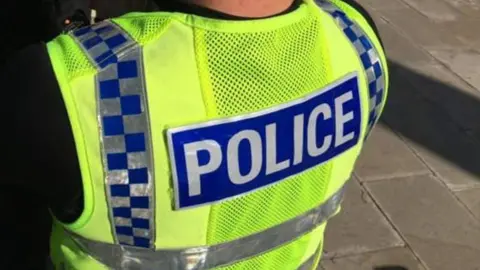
(218, 134)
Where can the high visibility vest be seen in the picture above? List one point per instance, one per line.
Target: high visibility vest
(211, 144)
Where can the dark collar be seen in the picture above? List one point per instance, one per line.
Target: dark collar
(187, 8)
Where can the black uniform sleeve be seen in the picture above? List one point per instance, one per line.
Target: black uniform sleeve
(41, 163)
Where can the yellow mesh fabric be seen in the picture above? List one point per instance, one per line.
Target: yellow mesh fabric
(287, 257)
(143, 27)
(76, 61)
(268, 207)
(248, 72)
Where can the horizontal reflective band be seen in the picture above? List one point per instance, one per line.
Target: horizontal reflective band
(200, 258)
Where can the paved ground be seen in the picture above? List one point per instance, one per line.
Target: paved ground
(415, 198)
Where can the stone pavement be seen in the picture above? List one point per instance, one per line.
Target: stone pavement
(414, 201)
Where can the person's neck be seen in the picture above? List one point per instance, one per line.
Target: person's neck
(246, 8)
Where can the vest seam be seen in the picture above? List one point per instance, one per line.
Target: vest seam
(206, 107)
(143, 39)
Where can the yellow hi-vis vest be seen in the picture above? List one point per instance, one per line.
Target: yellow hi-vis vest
(210, 144)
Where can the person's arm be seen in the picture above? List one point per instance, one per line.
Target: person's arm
(29, 22)
(42, 168)
(24, 23)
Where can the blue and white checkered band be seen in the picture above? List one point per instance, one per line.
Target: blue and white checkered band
(369, 57)
(125, 134)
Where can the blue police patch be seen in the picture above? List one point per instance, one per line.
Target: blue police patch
(224, 158)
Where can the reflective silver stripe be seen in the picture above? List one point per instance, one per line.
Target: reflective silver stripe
(125, 135)
(200, 258)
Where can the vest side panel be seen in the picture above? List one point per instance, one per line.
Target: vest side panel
(174, 98)
(80, 98)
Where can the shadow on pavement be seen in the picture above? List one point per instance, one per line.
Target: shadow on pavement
(390, 268)
(438, 118)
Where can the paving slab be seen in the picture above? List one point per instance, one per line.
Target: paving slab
(382, 4)
(395, 257)
(459, 100)
(420, 29)
(449, 153)
(465, 63)
(386, 156)
(435, 10)
(471, 198)
(464, 29)
(455, 178)
(399, 48)
(359, 228)
(470, 8)
(438, 228)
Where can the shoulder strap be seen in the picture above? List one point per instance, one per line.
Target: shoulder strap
(124, 126)
(369, 57)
